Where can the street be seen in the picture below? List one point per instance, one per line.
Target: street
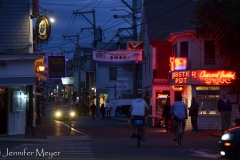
(110, 139)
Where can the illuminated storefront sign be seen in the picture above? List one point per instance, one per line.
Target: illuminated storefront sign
(211, 77)
(178, 63)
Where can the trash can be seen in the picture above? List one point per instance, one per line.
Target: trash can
(237, 121)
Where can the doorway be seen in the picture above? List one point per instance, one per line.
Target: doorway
(3, 111)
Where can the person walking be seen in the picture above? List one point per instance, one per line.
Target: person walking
(43, 108)
(102, 110)
(166, 114)
(224, 106)
(193, 113)
(93, 110)
(109, 109)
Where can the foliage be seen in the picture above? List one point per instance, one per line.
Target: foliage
(219, 20)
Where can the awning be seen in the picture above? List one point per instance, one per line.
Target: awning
(10, 81)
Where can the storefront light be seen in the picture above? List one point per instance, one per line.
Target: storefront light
(41, 68)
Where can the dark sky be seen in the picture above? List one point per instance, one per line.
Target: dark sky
(69, 24)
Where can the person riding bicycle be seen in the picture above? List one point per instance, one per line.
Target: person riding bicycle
(179, 112)
(138, 109)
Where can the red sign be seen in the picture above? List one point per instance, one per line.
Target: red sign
(178, 63)
(198, 77)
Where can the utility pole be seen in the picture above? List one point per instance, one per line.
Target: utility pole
(134, 37)
(93, 23)
(77, 62)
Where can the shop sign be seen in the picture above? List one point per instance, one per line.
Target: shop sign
(160, 81)
(43, 28)
(67, 80)
(56, 66)
(178, 63)
(122, 83)
(207, 77)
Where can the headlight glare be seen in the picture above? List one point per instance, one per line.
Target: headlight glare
(72, 113)
(58, 113)
(227, 136)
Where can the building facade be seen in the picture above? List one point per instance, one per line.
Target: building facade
(169, 40)
(18, 74)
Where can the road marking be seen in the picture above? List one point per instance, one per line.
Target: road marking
(201, 153)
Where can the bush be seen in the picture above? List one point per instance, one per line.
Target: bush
(125, 109)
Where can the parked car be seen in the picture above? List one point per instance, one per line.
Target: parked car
(64, 112)
(230, 144)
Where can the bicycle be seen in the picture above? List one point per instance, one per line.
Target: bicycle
(179, 132)
(138, 123)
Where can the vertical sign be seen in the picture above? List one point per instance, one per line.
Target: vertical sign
(56, 66)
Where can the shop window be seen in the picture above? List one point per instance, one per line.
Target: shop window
(184, 49)
(161, 98)
(112, 73)
(207, 97)
(209, 53)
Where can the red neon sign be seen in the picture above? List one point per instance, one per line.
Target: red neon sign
(213, 77)
(217, 77)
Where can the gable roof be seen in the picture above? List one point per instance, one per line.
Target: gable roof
(163, 17)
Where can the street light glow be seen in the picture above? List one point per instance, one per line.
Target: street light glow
(52, 19)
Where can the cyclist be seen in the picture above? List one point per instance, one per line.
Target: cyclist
(179, 112)
(138, 109)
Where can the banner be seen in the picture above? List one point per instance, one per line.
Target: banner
(122, 83)
(118, 56)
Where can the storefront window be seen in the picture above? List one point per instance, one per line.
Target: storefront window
(207, 97)
(161, 97)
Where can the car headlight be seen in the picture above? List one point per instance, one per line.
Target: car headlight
(72, 114)
(58, 113)
(227, 136)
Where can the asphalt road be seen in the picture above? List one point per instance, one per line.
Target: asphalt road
(110, 140)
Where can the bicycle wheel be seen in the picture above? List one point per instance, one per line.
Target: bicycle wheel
(179, 136)
(138, 135)
(179, 141)
(138, 141)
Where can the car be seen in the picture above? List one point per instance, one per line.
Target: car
(229, 144)
(64, 112)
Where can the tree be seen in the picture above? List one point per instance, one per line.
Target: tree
(219, 20)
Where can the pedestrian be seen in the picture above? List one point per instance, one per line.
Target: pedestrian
(166, 114)
(102, 110)
(43, 108)
(93, 110)
(109, 109)
(193, 113)
(224, 106)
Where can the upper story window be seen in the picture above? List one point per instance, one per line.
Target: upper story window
(209, 53)
(112, 73)
(184, 49)
(175, 50)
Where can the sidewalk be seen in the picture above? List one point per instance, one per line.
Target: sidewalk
(50, 130)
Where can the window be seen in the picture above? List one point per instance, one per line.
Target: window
(175, 50)
(209, 53)
(184, 49)
(113, 73)
(207, 98)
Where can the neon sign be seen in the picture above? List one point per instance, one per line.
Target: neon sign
(211, 77)
(178, 63)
